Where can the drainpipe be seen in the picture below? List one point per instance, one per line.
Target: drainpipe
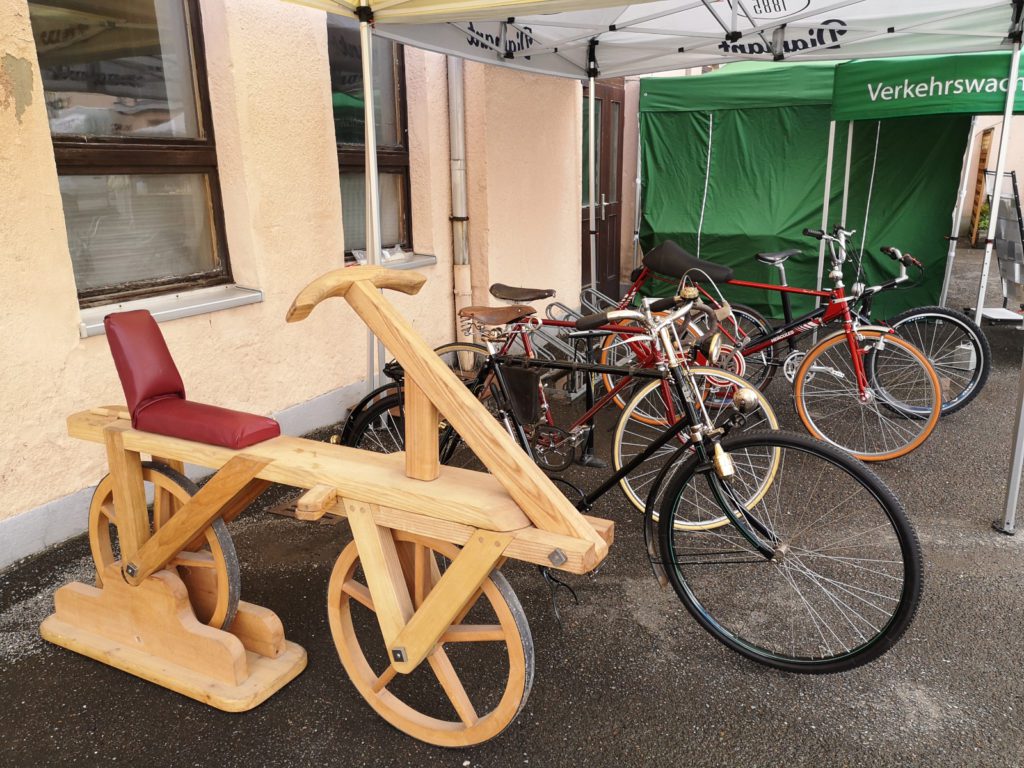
(460, 214)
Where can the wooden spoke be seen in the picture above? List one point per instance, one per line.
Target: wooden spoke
(359, 592)
(385, 677)
(202, 559)
(474, 633)
(500, 632)
(452, 685)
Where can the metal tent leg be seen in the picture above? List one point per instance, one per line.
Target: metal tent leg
(1008, 523)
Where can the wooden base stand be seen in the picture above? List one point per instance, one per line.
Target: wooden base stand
(150, 631)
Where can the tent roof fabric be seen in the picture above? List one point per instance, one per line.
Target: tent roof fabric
(741, 86)
(554, 37)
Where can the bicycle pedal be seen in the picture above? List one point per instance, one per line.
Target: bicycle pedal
(590, 460)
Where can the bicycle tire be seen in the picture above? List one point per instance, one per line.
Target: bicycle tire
(632, 435)
(946, 348)
(850, 613)
(760, 367)
(901, 412)
(381, 428)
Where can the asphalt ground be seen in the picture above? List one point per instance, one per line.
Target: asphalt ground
(626, 678)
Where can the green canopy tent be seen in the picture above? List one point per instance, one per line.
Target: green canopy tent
(738, 161)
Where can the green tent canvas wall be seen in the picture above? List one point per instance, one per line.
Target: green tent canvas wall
(734, 162)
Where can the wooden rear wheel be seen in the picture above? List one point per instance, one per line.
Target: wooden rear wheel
(475, 681)
(208, 566)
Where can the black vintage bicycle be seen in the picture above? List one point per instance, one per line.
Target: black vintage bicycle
(785, 549)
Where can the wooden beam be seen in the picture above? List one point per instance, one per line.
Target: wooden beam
(448, 599)
(219, 496)
(421, 434)
(382, 569)
(129, 491)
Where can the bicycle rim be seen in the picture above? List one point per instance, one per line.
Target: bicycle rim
(903, 401)
(645, 419)
(846, 579)
(956, 348)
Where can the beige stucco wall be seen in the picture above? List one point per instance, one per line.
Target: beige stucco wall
(270, 97)
(523, 155)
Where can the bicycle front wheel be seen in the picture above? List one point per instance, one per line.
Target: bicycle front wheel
(845, 579)
(645, 418)
(897, 411)
(956, 348)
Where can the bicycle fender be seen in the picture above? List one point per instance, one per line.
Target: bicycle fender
(650, 525)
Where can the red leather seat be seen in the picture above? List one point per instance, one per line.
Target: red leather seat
(156, 394)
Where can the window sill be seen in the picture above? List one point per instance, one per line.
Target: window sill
(411, 261)
(173, 305)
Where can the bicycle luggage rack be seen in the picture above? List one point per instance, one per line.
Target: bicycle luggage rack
(405, 511)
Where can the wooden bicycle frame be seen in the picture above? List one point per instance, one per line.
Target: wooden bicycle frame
(141, 620)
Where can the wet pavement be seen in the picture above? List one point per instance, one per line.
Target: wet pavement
(626, 679)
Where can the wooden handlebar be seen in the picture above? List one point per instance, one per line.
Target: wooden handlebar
(338, 282)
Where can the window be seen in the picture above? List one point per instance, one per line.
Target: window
(392, 146)
(126, 98)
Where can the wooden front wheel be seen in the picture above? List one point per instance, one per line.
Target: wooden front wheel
(208, 566)
(475, 681)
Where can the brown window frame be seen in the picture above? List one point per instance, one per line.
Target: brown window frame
(390, 158)
(113, 155)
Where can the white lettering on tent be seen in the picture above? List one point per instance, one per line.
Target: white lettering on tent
(933, 88)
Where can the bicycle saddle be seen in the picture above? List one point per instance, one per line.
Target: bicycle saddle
(777, 257)
(497, 315)
(510, 293)
(670, 259)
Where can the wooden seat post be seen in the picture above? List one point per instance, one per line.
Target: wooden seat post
(421, 434)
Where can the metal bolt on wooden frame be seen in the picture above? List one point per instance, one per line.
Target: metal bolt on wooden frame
(404, 510)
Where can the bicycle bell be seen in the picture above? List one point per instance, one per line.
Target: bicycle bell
(745, 400)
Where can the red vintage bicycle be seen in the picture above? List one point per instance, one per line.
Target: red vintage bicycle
(861, 388)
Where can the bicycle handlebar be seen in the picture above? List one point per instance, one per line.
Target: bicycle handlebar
(817, 234)
(904, 258)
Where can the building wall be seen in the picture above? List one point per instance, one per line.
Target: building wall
(271, 105)
(1014, 159)
(523, 156)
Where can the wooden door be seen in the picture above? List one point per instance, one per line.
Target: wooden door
(609, 98)
(984, 147)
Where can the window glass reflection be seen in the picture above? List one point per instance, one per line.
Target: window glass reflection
(116, 67)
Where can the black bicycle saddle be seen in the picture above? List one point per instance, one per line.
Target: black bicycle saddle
(510, 293)
(670, 259)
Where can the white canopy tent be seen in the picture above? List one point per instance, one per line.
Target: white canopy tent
(582, 39)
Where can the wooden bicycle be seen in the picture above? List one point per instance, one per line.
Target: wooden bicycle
(428, 541)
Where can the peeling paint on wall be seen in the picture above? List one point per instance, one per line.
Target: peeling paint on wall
(15, 84)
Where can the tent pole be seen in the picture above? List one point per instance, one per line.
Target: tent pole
(638, 198)
(997, 190)
(958, 208)
(591, 174)
(846, 177)
(374, 348)
(824, 204)
(1008, 525)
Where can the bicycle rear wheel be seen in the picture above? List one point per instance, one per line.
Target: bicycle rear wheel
(955, 346)
(845, 581)
(745, 324)
(898, 411)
